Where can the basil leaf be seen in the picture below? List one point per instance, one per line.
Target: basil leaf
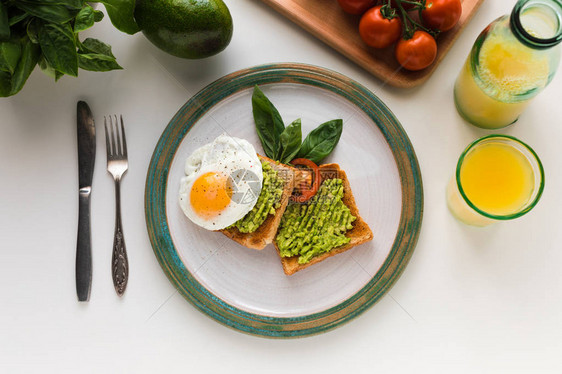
(59, 47)
(321, 141)
(33, 30)
(52, 13)
(97, 62)
(84, 19)
(16, 16)
(95, 46)
(46, 67)
(29, 56)
(5, 84)
(10, 53)
(74, 4)
(95, 55)
(290, 139)
(120, 13)
(269, 124)
(4, 23)
(98, 15)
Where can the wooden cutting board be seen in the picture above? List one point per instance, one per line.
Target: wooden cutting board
(328, 22)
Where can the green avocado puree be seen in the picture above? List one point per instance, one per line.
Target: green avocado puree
(268, 201)
(308, 230)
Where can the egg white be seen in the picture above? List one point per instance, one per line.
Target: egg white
(228, 155)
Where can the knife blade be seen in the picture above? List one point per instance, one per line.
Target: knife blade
(86, 131)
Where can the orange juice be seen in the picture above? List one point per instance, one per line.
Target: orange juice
(510, 63)
(505, 71)
(497, 178)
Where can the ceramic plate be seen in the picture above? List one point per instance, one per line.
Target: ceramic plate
(247, 289)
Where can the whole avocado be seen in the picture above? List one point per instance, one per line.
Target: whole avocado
(185, 28)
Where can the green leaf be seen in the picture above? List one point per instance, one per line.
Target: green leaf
(4, 23)
(290, 139)
(33, 30)
(51, 13)
(5, 84)
(73, 4)
(97, 62)
(10, 53)
(16, 16)
(59, 47)
(46, 67)
(269, 124)
(95, 55)
(29, 57)
(120, 13)
(98, 15)
(95, 46)
(84, 19)
(321, 141)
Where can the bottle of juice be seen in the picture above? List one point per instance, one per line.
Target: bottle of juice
(512, 60)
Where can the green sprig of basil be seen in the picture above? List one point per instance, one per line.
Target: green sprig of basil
(46, 33)
(321, 141)
(282, 143)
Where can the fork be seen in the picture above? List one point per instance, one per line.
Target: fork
(117, 165)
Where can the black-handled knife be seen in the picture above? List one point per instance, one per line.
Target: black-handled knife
(86, 158)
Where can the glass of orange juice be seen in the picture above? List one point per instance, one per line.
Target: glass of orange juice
(498, 178)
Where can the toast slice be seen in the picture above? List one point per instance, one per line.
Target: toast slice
(359, 234)
(266, 232)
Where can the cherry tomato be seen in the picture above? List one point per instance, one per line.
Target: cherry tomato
(356, 6)
(442, 15)
(377, 31)
(418, 52)
(307, 182)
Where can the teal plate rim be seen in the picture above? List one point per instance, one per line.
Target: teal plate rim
(284, 327)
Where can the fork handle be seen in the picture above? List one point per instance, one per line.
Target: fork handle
(84, 247)
(119, 260)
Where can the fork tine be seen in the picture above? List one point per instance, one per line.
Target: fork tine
(113, 146)
(107, 146)
(124, 139)
(118, 137)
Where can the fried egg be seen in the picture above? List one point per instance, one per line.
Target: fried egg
(222, 182)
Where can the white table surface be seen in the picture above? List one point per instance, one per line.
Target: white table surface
(471, 300)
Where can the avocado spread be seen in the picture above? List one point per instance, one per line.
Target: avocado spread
(308, 230)
(268, 201)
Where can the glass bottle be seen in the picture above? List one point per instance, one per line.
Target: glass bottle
(512, 60)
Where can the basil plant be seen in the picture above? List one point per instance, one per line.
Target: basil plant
(46, 33)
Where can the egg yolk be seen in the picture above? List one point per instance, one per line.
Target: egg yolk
(210, 194)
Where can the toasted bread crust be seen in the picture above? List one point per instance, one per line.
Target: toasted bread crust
(268, 229)
(359, 234)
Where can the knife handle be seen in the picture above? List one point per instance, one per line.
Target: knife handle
(84, 247)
